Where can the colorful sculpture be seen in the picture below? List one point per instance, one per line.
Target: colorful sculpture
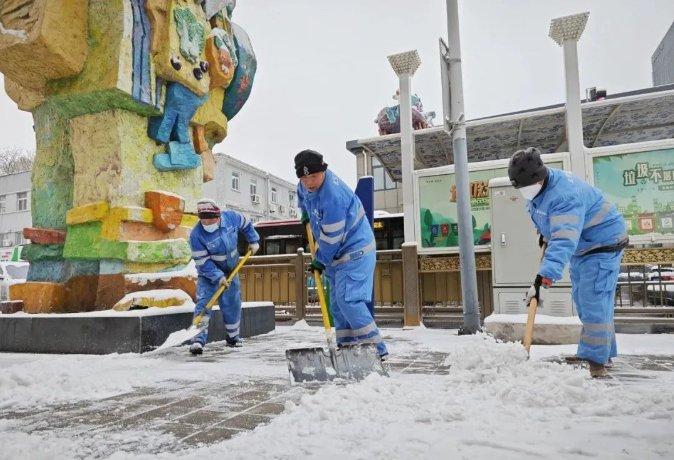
(388, 119)
(128, 97)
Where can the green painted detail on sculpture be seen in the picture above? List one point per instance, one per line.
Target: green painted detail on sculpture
(75, 105)
(84, 242)
(191, 33)
(38, 252)
(52, 177)
(159, 251)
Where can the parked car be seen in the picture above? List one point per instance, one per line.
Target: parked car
(637, 274)
(11, 273)
(660, 294)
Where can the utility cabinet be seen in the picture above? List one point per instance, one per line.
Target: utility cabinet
(515, 255)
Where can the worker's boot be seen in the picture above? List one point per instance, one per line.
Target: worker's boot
(196, 348)
(573, 359)
(236, 343)
(598, 371)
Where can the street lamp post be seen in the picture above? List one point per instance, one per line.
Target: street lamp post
(566, 32)
(471, 303)
(404, 65)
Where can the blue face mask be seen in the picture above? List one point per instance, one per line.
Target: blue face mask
(211, 228)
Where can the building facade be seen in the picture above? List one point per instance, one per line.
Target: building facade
(14, 208)
(663, 60)
(255, 193)
(237, 185)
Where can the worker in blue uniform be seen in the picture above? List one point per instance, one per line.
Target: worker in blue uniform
(214, 250)
(582, 229)
(346, 248)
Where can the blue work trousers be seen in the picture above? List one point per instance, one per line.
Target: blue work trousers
(594, 279)
(230, 307)
(350, 290)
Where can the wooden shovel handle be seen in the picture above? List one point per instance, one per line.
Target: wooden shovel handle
(529, 328)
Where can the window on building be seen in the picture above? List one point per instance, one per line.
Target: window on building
(22, 201)
(274, 195)
(18, 238)
(382, 181)
(253, 187)
(235, 180)
(291, 199)
(3, 204)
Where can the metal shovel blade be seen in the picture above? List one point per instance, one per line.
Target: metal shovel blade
(317, 364)
(177, 338)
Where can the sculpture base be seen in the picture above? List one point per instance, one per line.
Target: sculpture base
(104, 332)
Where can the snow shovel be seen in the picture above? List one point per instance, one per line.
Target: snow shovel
(179, 337)
(351, 362)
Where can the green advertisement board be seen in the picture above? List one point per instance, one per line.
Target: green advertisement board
(642, 187)
(438, 213)
(437, 203)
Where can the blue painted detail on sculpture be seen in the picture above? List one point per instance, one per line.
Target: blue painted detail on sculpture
(180, 156)
(180, 106)
(60, 271)
(172, 128)
(238, 91)
(141, 90)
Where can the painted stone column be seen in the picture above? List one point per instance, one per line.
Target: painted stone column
(128, 98)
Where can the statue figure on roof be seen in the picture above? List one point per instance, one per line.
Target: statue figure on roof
(388, 118)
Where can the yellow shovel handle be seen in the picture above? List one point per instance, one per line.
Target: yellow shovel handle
(197, 319)
(319, 283)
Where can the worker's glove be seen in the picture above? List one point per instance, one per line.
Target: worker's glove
(223, 282)
(253, 247)
(316, 266)
(535, 291)
(541, 241)
(305, 218)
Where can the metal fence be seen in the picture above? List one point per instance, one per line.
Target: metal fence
(641, 286)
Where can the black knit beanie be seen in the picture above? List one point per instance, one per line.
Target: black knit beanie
(309, 162)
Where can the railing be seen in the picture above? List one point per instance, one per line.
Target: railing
(283, 279)
(645, 286)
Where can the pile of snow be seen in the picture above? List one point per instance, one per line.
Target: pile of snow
(494, 402)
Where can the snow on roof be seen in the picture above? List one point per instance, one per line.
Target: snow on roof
(282, 237)
(387, 215)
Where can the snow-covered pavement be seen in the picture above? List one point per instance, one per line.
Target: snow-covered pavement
(447, 397)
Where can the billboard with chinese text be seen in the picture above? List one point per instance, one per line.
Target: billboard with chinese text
(641, 185)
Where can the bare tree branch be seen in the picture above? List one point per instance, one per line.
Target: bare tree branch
(14, 160)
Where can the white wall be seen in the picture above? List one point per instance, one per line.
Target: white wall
(13, 220)
(220, 189)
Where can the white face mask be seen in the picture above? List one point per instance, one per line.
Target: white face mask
(530, 191)
(211, 228)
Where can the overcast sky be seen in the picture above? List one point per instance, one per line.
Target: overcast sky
(323, 75)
